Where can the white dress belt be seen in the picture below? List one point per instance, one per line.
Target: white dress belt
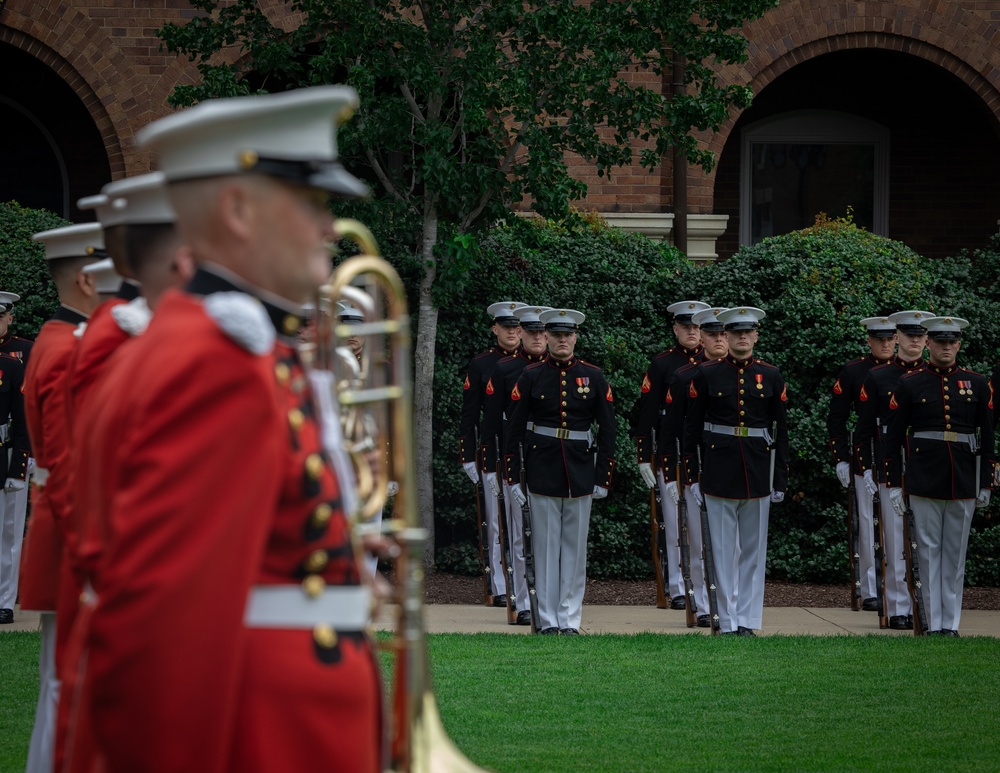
(345, 608)
(725, 429)
(949, 437)
(562, 434)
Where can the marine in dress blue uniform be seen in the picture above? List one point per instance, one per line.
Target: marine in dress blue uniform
(716, 346)
(942, 416)
(555, 405)
(846, 398)
(873, 422)
(495, 411)
(651, 409)
(736, 414)
(507, 330)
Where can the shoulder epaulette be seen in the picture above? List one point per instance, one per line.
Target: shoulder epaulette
(244, 319)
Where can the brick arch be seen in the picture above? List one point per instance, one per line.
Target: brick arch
(797, 32)
(81, 53)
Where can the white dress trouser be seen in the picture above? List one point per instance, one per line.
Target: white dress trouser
(13, 508)
(866, 539)
(897, 593)
(739, 545)
(674, 581)
(942, 537)
(43, 736)
(498, 582)
(559, 538)
(515, 533)
(698, 579)
(371, 562)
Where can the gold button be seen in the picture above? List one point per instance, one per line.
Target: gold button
(316, 560)
(946, 388)
(742, 391)
(313, 585)
(562, 373)
(564, 402)
(741, 402)
(564, 383)
(946, 380)
(743, 413)
(296, 419)
(290, 324)
(563, 394)
(946, 397)
(324, 635)
(322, 514)
(947, 426)
(314, 466)
(282, 373)
(564, 424)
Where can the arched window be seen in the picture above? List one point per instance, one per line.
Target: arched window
(798, 164)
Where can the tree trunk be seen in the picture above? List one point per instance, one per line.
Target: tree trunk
(423, 384)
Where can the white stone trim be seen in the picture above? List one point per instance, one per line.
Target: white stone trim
(703, 230)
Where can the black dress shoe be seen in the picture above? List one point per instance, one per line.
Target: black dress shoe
(524, 617)
(900, 623)
(677, 602)
(937, 632)
(549, 631)
(500, 601)
(6, 616)
(704, 621)
(949, 632)
(569, 632)
(744, 631)
(870, 605)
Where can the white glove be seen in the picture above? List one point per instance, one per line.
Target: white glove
(996, 474)
(777, 496)
(471, 471)
(983, 500)
(517, 494)
(672, 491)
(870, 483)
(600, 493)
(896, 498)
(491, 481)
(393, 488)
(32, 465)
(844, 473)
(14, 484)
(696, 493)
(648, 476)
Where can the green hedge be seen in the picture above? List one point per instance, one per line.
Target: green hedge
(815, 286)
(22, 269)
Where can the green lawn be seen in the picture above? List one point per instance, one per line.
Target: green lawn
(659, 703)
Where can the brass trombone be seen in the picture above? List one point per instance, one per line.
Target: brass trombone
(418, 741)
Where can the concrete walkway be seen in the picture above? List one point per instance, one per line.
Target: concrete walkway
(470, 618)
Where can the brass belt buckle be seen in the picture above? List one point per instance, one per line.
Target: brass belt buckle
(951, 437)
(741, 431)
(562, 434)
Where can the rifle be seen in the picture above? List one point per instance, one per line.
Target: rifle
(658, 536)
(912, 565)
(484, 538)
(504, 534)
(690, 616)
(853, 550)
(706, 542)
(529, 553)
(879, 528)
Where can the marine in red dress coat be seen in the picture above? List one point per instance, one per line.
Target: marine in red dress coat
(45, 407)
(220, 484)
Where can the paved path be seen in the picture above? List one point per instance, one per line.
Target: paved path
(470, 618)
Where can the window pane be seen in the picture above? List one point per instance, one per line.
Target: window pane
(793, 182)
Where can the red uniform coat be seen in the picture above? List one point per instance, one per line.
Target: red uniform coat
(101, 339)
(45, 408)
(215, 481)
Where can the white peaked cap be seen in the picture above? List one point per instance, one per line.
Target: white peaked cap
(138, 200)
(291, 135)
(73, 241)
(108, 280)
(565, 320)
(741, 317)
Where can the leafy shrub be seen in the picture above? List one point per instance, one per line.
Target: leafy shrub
(23, 270)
